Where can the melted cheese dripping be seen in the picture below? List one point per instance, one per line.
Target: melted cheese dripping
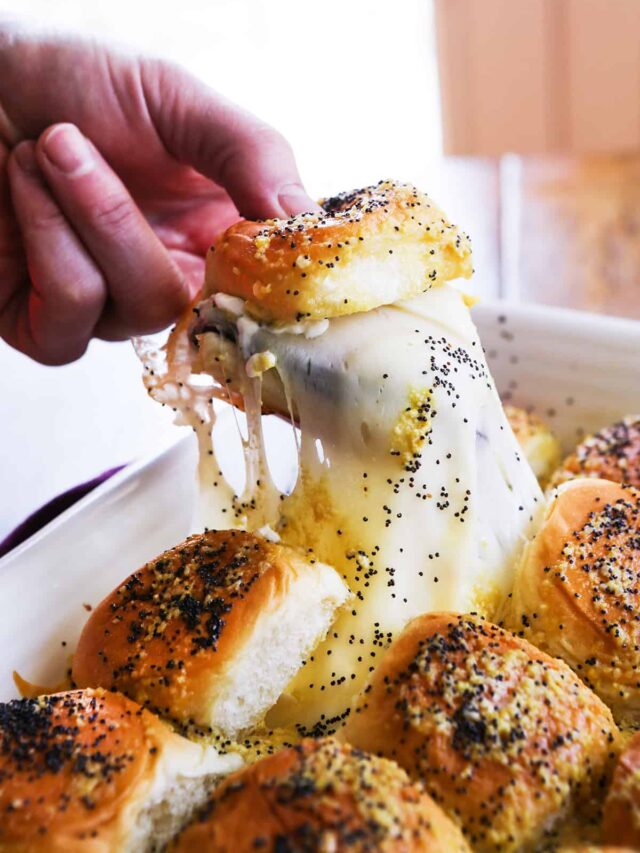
(410, 483)
(419, 496)
(170, 379)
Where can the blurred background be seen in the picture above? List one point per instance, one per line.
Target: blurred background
(522, 119)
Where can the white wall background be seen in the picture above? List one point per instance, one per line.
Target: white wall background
(351, 83)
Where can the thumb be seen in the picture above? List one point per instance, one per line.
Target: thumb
(248, 158)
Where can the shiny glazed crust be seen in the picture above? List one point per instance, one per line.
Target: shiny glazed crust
(576, 593)
(369, 247)
(169, 636)
(503, 736)
(73, 766)
(611, 454)
(321, 795)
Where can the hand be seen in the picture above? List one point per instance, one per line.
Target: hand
(115, 174)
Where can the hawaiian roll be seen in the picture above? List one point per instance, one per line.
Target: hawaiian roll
(539, 445)
(89, 770)
(621, 817)
(365, 248)
(577, 589)
(211, 631)
(504, 737)
(613, 453)
(321, 796)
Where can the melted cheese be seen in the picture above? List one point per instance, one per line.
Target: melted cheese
(410, 480)
(168, 378)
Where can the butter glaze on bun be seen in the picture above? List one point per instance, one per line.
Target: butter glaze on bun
(93, 771)
(370, 247)
(321, 796)
(621, 818)
(504, 737)
(613, 453)
(577, 591)
(211, 631)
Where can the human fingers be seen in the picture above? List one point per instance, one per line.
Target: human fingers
(13, 269)
(145, 287)
(54, 310)
(252, 161)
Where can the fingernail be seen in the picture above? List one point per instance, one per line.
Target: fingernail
(25, 157)
(68, 150)
(293, 199)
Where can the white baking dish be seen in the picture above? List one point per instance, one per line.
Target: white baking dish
(577, 370)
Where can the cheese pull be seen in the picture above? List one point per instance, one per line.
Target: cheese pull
(411, 483)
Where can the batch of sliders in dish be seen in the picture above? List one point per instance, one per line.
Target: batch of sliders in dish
(465, 734)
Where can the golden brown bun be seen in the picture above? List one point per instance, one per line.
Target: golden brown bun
(369, 247)
(612, 454)
(321, 796)
(211, 631)
(78, 769)
(503, 736)
(621, 819)
(540, 446)
(576, 593)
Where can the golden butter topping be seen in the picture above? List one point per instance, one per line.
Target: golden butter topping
(503, 736)
(330, 797)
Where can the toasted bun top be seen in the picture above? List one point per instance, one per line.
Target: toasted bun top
(68, 763)
(320, 795)
(177, 623)
(367, 248)
(613, 453)
(576, 592)
(501, 734)
(621, 818)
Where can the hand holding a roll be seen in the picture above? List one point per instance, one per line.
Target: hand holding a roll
(115, 172)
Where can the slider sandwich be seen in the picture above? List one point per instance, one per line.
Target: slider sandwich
(210, 632)
(612, 453)
(507, 740)
(321, 796)
(411, 483)
(89, 771)
(576, 593)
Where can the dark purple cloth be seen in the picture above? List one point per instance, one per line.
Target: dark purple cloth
(52, 509)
